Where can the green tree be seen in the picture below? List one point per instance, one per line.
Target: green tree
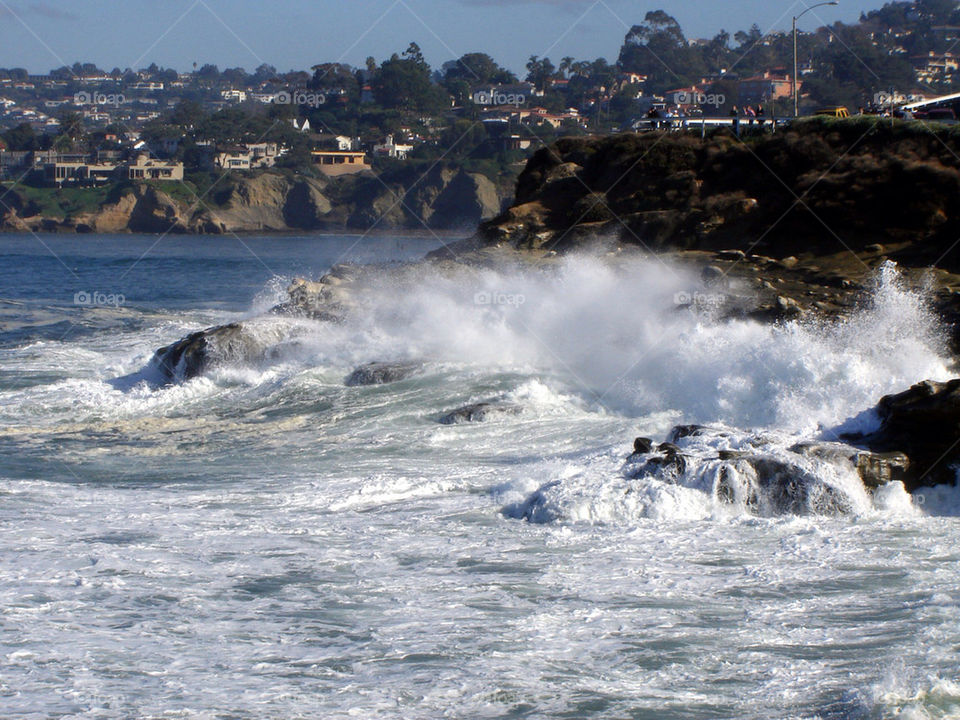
(404, 83)
(22, 137)
(477, 69)
(540, 72)
(658, 49)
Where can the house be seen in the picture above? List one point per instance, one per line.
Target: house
(147, 86)
(234, 157)
(236, 96)
(326, 141)
(146, 168)
(390, 149)
(81, 172)
(13, 162)
(338, 162)
(771, 85)
(935, 67)
(263, 154)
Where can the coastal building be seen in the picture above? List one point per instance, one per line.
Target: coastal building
(147, 86)
(248, 157)
(935, 67)
(147, 168)
(233, 157)
(767, 87)
(235, 96)
(263, 154)
(327, 141)
(81, 173)
(335, 163)
(391, 149)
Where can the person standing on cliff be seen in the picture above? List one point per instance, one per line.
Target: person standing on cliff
(735, 114)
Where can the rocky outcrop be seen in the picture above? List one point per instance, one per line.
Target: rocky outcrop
(819, 187)
(193, 354)
(922, 425)
(762, 475)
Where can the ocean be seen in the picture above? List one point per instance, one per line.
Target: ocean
(265, 541)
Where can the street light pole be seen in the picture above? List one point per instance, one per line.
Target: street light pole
(796, 87)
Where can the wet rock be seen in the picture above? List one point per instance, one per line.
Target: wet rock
(731, 255)
(681, 431)
(191, 356)
(712, 276)
(642, 446)
(787, 307)
(667, 464)
(480, 412)
(788, 488)
(381, 373)
(923, 424)
(874, 469)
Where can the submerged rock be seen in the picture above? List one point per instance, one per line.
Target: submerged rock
(480, 412)
(381, 373)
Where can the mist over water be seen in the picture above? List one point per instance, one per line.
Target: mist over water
(266, 542)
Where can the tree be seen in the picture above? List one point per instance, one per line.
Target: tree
(658, 49)
(404, 83)
(235, 77)
(22, 137)
(476, 69)
(540, 72)
(71, 125)
(264, 73)
(187, 114)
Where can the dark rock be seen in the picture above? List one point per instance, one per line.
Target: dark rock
(730, 454)
(681, 431)
(381, 373)
(789, 489)
(875, 469)
(642, 446)
(922, 423)
(669, 464)
(189, 357)
(479, 412)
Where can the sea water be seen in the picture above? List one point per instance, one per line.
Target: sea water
(266, 542)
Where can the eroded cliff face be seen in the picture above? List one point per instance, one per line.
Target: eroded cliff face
(443, 198)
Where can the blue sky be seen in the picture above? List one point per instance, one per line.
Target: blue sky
(295, 34)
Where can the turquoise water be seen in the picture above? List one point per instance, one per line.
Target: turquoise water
(265, 542)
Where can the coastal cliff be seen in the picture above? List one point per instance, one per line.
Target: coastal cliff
(443, 198)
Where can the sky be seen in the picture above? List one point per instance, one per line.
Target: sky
(294, 34)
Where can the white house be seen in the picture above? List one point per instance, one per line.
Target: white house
(392, 149)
